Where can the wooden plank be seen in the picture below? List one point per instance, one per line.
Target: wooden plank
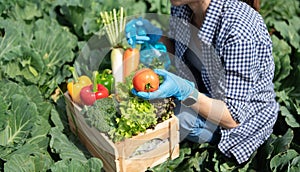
(107, 158)
(127, 147)
(174, 137)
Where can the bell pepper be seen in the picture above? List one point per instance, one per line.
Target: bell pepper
(89, 94)
(107, 79)
(75, 85)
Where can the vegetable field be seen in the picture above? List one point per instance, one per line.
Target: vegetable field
(39, 42)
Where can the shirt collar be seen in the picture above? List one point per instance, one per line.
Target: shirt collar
(212, 17)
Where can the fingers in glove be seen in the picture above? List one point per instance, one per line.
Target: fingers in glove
(142, 38)
(143, 95)
(131, 36)
(161, 72)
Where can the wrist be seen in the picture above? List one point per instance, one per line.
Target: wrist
(191, 99)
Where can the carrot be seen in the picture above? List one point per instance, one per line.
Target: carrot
(131, 60)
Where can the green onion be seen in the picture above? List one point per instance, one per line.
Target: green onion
(114, 24)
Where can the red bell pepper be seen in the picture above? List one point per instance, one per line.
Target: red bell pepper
(89, 94)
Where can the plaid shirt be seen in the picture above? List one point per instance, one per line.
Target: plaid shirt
(242, 46)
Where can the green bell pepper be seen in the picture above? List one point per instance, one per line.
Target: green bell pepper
(106, 78)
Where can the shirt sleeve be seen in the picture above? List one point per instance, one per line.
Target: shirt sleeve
(249, 70)
(241, 73)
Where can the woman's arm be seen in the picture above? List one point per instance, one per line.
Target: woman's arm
(215, 111)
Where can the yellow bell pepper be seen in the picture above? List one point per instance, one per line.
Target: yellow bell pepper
(74, 86)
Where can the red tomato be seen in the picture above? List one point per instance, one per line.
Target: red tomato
(145, 80)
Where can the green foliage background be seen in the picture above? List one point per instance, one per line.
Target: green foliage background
(39, 40)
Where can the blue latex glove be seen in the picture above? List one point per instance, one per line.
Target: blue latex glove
(173, 85)
(139, 31)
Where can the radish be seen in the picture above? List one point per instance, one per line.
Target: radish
(117, 64)
(114, 23)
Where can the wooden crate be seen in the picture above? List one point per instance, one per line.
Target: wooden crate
(117, 157)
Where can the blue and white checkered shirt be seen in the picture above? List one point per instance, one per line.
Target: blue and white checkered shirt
(243, 48)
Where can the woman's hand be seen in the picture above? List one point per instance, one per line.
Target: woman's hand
(139, 31)
(172, 85)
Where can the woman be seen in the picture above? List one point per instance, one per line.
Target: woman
(226, 45)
